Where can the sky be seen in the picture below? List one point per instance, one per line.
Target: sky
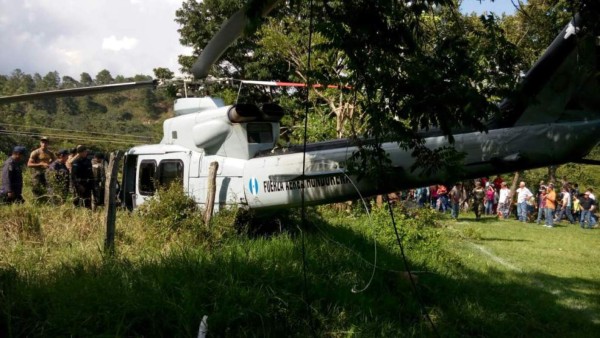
(497, 6)
(127, 37)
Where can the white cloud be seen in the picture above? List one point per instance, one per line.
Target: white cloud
(114, 44)
(74, 36)
(70, 57)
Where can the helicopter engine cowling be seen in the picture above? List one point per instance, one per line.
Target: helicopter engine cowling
(210, 134)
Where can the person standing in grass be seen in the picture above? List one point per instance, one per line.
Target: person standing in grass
(593, 197)
(566, 206)
(576, 207)
(60, 175)
(478, 199)
(541, 203)
(523, 195)
(442, 201)
(503, 202)
(82, 178)
(588, 206)
(490, 196)
(550, 205)
(12, 177)
(456, 198)
(39, 160)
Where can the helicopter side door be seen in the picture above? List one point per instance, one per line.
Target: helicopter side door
(156, 171)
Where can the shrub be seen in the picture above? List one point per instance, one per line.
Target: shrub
(171, 209)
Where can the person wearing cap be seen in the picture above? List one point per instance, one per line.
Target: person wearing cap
(39, 160)
(587, 205)
(82, 178)
(60, 175)
(550, 205)
(11, 190)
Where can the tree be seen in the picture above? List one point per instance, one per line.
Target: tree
(535, 25)
(163, 73)
(199, 22)
(413, 66)
(285, 39)
(103, 77)
(69, 82)
(86, 80)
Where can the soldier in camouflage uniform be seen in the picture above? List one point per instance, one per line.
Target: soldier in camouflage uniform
(59, 175)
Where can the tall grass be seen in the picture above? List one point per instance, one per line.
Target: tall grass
(169, 270)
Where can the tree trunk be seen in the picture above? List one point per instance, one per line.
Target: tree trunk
(552, 174)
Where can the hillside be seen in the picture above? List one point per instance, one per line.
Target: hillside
(104, 122)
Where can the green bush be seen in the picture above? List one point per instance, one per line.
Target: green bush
(171, 209)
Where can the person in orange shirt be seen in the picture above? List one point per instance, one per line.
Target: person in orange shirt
(550, 205)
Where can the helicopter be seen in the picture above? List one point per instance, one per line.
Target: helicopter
(560, 124)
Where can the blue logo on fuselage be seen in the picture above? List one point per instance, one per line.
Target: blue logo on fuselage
(253, 186)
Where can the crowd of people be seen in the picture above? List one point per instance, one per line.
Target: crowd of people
(549, 204)
(55, 176)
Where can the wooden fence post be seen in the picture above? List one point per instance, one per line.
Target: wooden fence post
(212, 191)
(110, 188)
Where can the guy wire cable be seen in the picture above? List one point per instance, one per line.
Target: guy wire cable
(302, 191)
(74, 130)
(354, 290)
(374, 264)
(66, 137)
(410, 277)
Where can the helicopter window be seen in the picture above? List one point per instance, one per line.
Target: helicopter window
(147, 178)
(169, 171)
(259, 132)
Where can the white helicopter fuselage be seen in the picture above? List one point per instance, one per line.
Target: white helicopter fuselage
(254, 175)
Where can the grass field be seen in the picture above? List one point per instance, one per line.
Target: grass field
(546, 279)
(489, 278)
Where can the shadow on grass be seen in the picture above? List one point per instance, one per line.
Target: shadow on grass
(498, 239)
(255, 287)
(481, 220)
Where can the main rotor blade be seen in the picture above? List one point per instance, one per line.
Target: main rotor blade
(52, 94)
(229, 32)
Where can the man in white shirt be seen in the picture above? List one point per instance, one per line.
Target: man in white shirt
(566, 206)
(523, 194)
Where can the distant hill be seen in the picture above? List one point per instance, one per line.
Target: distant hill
(104, 122)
